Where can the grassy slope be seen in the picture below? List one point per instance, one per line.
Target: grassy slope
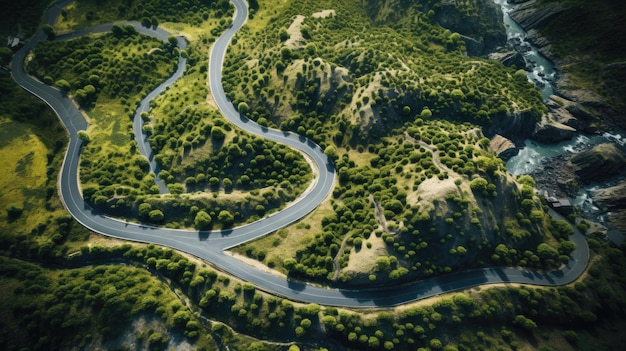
(190, 157)
(355, 86)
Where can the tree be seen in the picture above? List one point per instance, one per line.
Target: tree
(435, 344)
(49, 31)
(144, 209)
(406, 110)
(172, 40)
(373, 342)
(566, 247)
(525, 322)
(426, 113)
(146, 22)
(202, 220)
(83, 136)
(217, 134)
(228, 184)
(226, 218)
(331, 152)
(118, 30)
(63, 86)
(156, 216)
(283, 34)
(243, 107)
(14, 210)
(382, 263)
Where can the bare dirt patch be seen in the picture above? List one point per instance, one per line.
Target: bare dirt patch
(254, 263)
(324, 14)
(364, 260)
(296, 40)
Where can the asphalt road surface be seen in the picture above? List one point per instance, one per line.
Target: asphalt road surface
(210, 245)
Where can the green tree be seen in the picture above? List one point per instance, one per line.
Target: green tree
(228, 184)
(83, 136)
(382, 263)
(406, 110)
(331, 152)
(49, 31)
(172, 40)
(243, 107)
(226, 218)
(373, 342)
(63, 86)
(566, 247)
(217, 134)
(14, 210)
(202, 220)
(156, 216)
(525, 322)
(144, 209)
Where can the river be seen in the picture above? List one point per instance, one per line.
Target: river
(542, 73)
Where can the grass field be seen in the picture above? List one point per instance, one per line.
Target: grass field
(23, 175)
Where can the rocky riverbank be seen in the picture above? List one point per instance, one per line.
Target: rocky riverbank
(577, 107)
(536, 17)
(564, 175)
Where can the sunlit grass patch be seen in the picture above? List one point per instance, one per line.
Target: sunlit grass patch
(22, 175)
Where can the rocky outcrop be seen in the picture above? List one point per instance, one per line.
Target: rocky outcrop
(613, 199)
(503, 147)
(478, 22)
(534, 14)
(604, 114)
(554, 175)
(549, 130)
(516, 127)
(600, 163)
(562, 176)
(571, 114)
(510, 58)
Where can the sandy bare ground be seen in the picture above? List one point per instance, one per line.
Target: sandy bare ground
(324, 14)
(296, 40)
(254, 263)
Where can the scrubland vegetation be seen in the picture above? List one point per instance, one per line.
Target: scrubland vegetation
(401, 109)
(506, 317)
(418, 192)
(196, 150)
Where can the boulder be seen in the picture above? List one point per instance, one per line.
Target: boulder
(510, 58)
(559, 109)
(503, 147)
(549, 130)
(611, 198)
(600, 163)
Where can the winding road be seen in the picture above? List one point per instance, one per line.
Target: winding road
(210, 245)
